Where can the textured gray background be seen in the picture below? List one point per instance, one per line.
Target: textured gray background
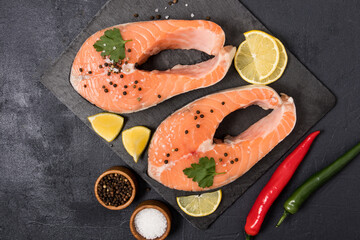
(312, 102)
(48, 155)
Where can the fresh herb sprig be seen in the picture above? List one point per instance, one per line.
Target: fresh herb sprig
(203, 172)
(111, 44)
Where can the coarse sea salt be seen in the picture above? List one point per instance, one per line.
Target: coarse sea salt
(150, 223)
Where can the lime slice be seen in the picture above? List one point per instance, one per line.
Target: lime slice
(200, 205)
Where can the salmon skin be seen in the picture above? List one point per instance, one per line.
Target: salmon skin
(188, 134)
(129, 89)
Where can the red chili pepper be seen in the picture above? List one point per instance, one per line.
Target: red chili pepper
(276, 184)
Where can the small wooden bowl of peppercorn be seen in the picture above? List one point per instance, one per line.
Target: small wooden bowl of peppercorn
(151, 219)
(115, 188)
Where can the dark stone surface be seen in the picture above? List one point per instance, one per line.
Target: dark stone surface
(46, 176)
(312, 102)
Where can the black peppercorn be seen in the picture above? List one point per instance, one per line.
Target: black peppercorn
(197, 111)
(168, 154)
(103, 86)
(121, 75)
(114, 190)
(106, 90)
(115, 85)
(124, 92)
(225, 154)
(136, 82)
(166, 161)
(223, 103)
(111, 83)
(90, 72)
(129, 50)
(139, 88)
(125, 86)
(195, 117)
(232, 162)
(159, 96)
(198, 125)
(186, 131)
(136, 15)
(80, 69)
(236, 159)
(106, 64)
(109, 73)
(211, 110)
(100, 66)
(202, 115)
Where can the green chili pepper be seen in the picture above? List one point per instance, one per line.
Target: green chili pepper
(302, 193)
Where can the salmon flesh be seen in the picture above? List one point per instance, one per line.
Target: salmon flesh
(129, 89)
(188, 134)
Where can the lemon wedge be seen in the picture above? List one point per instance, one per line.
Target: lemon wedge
(135, 140)
(107, 125)
(200, 205)
(257, 57)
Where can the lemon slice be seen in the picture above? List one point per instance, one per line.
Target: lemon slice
(135, 140)
(107, 125)
(200, 205)
(280, 68)
(257, 57)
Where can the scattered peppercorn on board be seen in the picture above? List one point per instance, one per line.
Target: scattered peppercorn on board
(313, 100)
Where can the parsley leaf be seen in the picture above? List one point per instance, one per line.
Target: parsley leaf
(111, 44)
(203, 172)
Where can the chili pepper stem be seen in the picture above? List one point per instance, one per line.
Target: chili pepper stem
(248, 237)
(285, 214)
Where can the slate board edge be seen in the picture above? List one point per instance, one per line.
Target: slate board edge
(147, 179)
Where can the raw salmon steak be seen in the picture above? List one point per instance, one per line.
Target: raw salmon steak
(126, 89)
(188, 134)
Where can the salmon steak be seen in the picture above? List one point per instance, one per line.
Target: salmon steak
(188, 135)
(123, 88)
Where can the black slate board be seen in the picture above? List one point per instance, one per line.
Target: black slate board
(313, 100)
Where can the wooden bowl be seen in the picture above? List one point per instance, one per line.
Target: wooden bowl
(151, 204)
(126, 173)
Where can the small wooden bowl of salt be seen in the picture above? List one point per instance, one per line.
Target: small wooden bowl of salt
(151, 219)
